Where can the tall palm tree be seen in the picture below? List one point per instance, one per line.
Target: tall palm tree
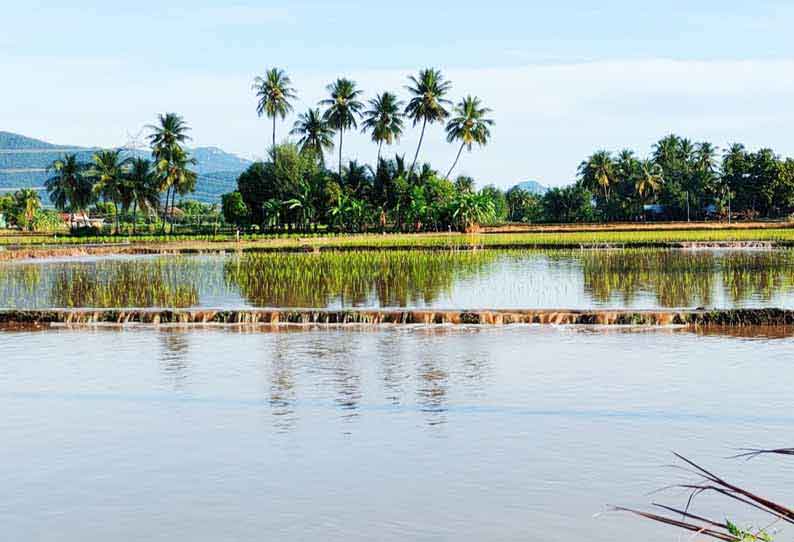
(598, 172)
(274, 91)
(27, 202)
(108, 170)
(469, 126)
(384, 119)
(314, 133)
(171, 162)
(68, 186)
(343, 110)
(649, 180)
(140, 188)
(428, 89)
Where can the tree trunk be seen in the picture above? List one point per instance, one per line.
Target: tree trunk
(173, 203)
(274, 137)
(341, 137)
(134, 216)
(419, 146)
(377, 163)
(116, 213)
(455, 163)
(165, 210)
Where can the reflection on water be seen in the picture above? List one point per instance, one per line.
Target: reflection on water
(387, 434)
(688, 278)
(351, 279)
(484, 279)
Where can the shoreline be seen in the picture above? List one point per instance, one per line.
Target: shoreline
(178, 248)
(693, 318)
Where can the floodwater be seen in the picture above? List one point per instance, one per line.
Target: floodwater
(388, 434)
(636, 279)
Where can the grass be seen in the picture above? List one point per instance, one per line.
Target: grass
(555, 239)
(706, 482)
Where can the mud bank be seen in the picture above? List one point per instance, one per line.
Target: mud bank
(693, 318)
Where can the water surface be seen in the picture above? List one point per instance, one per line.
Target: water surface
(636, 279)
(412, 433)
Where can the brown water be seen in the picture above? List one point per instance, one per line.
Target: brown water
(639, 279)
(402, 434)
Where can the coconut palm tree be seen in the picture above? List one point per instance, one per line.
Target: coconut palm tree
(27, 202)
(108, 170)
(384, 119)
(171, 162)
(469, 126)
(274, 91)
(649, 180)
(68, 186)
(428, 89)
(314, 133)
(598, 172)
(140, 189)
(343, 110)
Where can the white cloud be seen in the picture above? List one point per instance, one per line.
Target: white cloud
(549, 117)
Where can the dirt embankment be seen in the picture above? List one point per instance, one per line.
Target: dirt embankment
(692, 318)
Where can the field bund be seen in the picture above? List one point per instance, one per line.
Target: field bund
(692, 318)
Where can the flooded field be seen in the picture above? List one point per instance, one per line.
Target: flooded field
(387, 434)
(638, 279)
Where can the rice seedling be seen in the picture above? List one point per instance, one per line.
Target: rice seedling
(394, 278)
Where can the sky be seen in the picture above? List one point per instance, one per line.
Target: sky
(563, 78)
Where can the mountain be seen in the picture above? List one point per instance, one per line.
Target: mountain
(533, 187)
(24, 161)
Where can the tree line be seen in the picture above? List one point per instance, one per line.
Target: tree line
(680, 180)
(128, 185)
(293, 188)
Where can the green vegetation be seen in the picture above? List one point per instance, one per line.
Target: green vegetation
(680, 180)
(394, 279)
(23, 210)
(324, 239)
(294, 191)
(705, 482)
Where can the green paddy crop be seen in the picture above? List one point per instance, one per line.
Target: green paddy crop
(393, 278)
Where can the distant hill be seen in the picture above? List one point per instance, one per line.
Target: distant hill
(24, 161)
(533, 187)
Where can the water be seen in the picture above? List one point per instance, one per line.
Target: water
(638, 279)
(389, 434)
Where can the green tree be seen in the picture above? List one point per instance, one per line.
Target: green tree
(384, 119)
(499, 200)
(428, 103)
(569, 204)
(234, 209)
(108, 170)
(68, 186)
(649, 180)
(274, 92)
(343, 109)
(140, 189)
(469, 126)
(26, 204)
(314, 133)
(523, 206)
(469, 210)
(598, 173)
(171, 160)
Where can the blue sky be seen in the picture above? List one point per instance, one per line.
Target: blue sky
(564, 78)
